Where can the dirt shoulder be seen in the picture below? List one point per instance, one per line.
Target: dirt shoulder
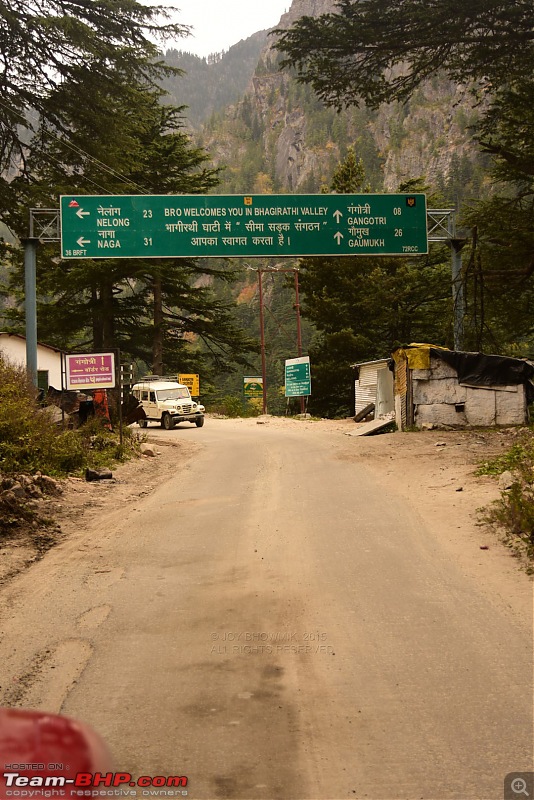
(433, 471)
(83, 504)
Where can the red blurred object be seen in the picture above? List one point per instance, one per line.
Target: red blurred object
(101, 407)
(37, 744)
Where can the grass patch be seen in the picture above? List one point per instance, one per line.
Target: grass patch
(102, 448)
(520, 453)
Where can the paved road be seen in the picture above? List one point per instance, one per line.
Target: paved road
(272, 625)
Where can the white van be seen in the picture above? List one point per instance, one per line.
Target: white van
(167, 402)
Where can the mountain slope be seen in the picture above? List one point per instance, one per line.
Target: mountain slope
(210, 84)
(279, 137)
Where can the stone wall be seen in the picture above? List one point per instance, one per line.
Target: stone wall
(441, 401)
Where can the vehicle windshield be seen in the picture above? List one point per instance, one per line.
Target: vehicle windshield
(182, 393)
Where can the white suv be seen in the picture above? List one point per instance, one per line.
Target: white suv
(167, 402)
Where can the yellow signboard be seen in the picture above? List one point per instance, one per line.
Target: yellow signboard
(192, 382)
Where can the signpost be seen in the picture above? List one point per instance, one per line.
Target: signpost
(236, 226)
(192, 382)
(90, 371)
(298, 377)
(253, 387)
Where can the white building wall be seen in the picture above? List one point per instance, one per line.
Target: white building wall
(14, 349)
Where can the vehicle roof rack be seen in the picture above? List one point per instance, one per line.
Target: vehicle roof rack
(173, 378)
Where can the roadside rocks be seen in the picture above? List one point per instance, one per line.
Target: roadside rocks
(148, 450)
(21, 498)
(24, 487)
(49, 485)
(506, 480)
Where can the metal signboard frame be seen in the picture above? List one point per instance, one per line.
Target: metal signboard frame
(298, 377)
(90, 371)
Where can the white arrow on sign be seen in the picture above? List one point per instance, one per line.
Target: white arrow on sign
(339, 236)
(337, 215)
(82, 242)
(81, 213)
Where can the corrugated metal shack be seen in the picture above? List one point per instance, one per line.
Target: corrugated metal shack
(445, 388)
(374, 385)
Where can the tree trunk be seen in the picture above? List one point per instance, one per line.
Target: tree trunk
(96, 315)
(157, 341)
(108, 320)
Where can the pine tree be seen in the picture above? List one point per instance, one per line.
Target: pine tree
(52, 43)
(364, 306)
(374, 53)
(378, 52)
(151, 309)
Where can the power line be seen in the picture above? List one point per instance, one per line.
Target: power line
(49, 156)
(80, 151)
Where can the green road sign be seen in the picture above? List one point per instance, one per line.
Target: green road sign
(210, 226)
(298, 377)
(253, 387)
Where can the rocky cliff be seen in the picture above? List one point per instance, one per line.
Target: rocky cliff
(306, 8)
(280, 137)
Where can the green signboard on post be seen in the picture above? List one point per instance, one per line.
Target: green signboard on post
(236, 226)
(298, 377)
(253, 387)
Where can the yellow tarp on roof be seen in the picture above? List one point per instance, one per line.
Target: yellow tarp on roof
(417, 355)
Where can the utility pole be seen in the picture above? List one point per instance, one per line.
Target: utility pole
(262, 342)
(260, 271)
(299, 331)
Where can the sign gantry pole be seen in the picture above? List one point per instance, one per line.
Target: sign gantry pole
(442, 228)
(458, 294)
(30, 306)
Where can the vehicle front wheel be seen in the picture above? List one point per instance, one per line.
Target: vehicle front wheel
(199, 422)
(142, 423)
(167, 422)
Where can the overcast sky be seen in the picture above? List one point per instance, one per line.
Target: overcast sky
(218, 24)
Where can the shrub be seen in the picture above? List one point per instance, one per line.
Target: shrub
(520, 453)
(254, 407)
(233, 406)
(30, 440)
(513, 513)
